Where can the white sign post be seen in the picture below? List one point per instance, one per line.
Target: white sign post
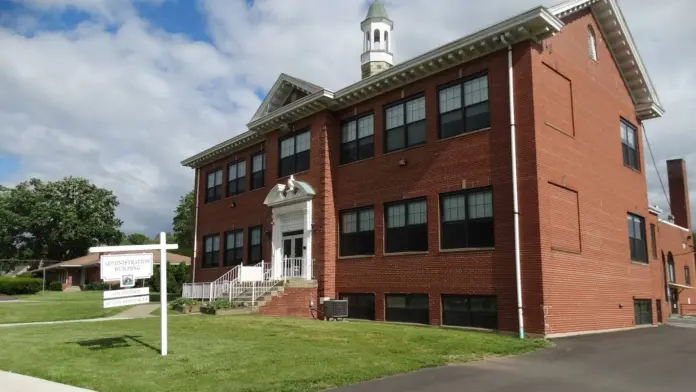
(136, 266)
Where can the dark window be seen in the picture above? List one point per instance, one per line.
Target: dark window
(687, 276)
(211, 254)
(234, 246)
(643, 311)
(407, 308)
(255, 254)
(294, 154)
(629, 145)
(360, 306)
(636, 238)
(213, 186)
(258, 169)
(357, 232)
(464, 107)
(236, 174)
(470, 311)
(405, 124)
(466, 219)
(357, 139)
(653, 241)
(670, 268)
(407, 226)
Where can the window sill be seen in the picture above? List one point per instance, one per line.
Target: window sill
(633, 169)
(213, 202)
(405, 254)
(575, 252)
(467, 250)
(355, 257)
(474, 132)
(644, 264)
(293, 174)
(404, 149)
(358, 161)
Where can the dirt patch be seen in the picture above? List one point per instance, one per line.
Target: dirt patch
(4, 297)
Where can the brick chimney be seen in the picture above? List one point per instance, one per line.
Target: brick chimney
(679, 192)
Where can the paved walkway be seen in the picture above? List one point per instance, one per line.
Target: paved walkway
(13, 382)
(139, 311)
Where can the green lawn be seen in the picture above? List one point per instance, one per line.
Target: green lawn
(237, 353)
(56, 306)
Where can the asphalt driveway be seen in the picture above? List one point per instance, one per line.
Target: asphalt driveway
(644, 360)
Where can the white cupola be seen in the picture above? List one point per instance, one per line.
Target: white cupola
(377, 41)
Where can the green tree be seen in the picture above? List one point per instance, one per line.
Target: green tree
(56, 220)
(177, 275)
(183, 222)
(136, 239)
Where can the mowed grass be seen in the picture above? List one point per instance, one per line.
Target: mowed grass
(56, 306)
(238, 353)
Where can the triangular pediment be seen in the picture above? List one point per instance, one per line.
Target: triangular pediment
(286, 90)
(294, 191)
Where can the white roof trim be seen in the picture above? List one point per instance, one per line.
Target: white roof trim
(294, 192)
(655, 210)
(234, 143)
(617, 36)
(674, 225)
(283, 79)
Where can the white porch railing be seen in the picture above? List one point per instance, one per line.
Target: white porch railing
(254, 289)
(296, 267)
(197, 290)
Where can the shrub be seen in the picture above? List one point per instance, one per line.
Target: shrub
(14, 286)
(220, 304)
(55, 286)
(25, 275)
(96, 286)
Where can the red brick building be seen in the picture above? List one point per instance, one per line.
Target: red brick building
(403, 193)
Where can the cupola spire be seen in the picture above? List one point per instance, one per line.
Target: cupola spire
(377, 41)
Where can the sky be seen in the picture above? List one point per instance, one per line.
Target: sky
(120, 91)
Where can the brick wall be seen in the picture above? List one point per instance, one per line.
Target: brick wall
(292, 302)
(675, 241)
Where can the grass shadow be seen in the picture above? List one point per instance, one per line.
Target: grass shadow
(115, 342)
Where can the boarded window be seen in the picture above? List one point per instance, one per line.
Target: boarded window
(564, 219)
(557, 101)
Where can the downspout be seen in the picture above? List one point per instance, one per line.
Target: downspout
(515, 202)
(195, 227)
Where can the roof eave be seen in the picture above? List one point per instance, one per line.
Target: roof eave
(297, 110)
(245, 139)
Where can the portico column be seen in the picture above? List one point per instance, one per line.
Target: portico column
(307, 267)
(277, 246)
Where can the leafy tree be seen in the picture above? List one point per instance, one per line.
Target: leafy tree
(57, 220)
(177, 275)
(136, 239)
(183, 221)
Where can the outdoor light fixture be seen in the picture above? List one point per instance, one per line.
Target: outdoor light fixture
(402, 162)
(233, 204)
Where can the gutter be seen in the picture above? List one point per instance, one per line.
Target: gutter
(515, 201)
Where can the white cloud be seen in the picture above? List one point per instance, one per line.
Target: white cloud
(124, 108)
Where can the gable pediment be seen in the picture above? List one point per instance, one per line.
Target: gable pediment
(286, 90)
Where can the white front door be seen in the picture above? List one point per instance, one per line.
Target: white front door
(293, 252)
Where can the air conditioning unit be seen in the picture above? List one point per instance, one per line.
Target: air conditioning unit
(335, 309)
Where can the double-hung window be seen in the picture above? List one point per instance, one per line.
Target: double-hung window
(357, 139)
(357, 232)
(294, 154)
(466, 219)
(236, 174)
(407, 226)
(255, 254)
(258, 168)
(464, 107)
(405, 124)
(211, 249)
(213, 186)
(636, 238)
(629, 145)
(234, 246)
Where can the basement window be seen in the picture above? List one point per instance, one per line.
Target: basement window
(407, 308)
(405, 124)
(360, 306)
(464, 107)
(478, 311)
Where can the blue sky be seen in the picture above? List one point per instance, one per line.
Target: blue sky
(121, 91)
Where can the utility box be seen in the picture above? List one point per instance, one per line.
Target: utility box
(335, 309)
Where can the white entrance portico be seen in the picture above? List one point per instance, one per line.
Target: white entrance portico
(291, 241)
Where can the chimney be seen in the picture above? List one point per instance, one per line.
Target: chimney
(679, 192)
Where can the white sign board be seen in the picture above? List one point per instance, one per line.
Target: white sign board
(115, 266)
(112, 303)
(126, 293)
(250, 274)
